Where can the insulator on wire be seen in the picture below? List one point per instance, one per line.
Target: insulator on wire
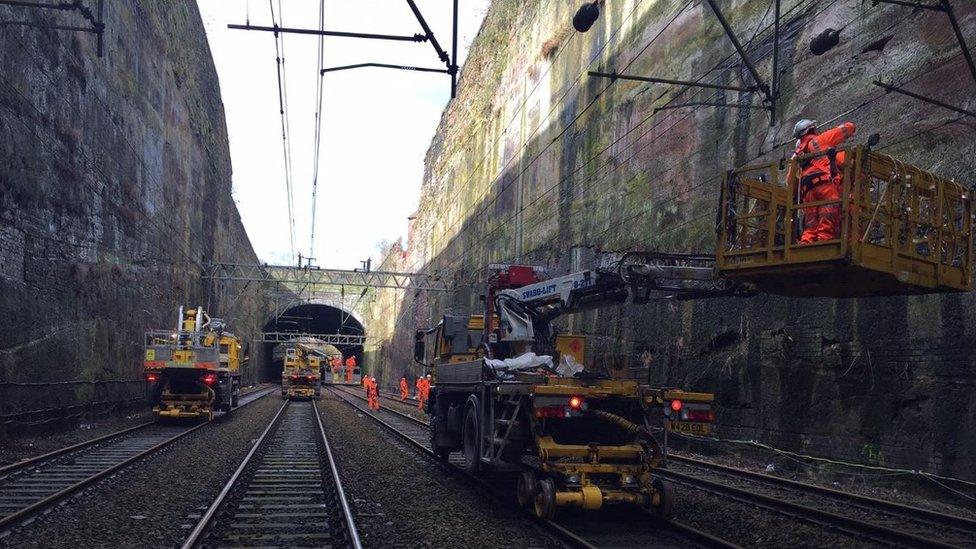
(586, 16)
(825, 41)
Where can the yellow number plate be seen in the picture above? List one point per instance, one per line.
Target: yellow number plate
(691, 428)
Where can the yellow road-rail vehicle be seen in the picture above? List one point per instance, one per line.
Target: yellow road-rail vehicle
(301, 376)
(194, 370)
(512, 395)
(582, 439)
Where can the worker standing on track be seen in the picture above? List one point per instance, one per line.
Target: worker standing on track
(373, 395)
(335, 364)
(423, 388)
(404, 389)
(820, 178)
(350, 367)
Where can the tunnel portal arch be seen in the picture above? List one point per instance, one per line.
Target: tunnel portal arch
(317, 317)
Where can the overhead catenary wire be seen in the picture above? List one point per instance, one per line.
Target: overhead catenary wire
(616, 163)
(319, 84)
(630, 130)
(285, 142)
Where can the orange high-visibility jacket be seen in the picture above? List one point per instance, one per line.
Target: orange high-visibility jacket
(818, 168)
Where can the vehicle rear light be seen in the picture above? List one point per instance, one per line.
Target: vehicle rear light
(210, 379)
(676, 405)
(703, 416)
(152, 378)
(545, 412)
(576, 402)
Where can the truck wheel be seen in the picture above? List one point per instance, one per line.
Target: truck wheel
(525, 489)
(545, 499)
(471, 436)
(665, 493)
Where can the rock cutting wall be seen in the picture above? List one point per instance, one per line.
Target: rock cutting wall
(534, 160)
(115, 191)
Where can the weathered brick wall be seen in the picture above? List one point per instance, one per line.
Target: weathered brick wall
(115, 188)
(532, 159)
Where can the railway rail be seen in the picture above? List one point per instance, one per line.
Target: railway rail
(286, 492)
(621, 530)
(30, 486)
(863, 517)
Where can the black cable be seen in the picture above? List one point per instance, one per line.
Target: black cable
(285, 143)
(318, 126)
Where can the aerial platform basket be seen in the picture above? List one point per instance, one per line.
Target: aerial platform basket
(903, 231)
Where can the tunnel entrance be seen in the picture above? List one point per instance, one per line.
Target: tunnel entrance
(309, 318)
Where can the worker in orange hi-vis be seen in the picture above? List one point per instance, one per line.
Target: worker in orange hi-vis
(820, 177)
(335, 364)
(350, 367)
(404, 389)
(366, 384)
(423, 391)
(373, 395)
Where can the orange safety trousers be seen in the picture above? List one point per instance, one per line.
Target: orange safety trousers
(822, 222)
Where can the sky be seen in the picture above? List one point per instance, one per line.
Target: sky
(376, 123)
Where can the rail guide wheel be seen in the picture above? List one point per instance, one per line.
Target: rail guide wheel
(525, 489)
(545, 499)
(662, 501)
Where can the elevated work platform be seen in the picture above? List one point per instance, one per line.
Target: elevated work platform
(903, 231)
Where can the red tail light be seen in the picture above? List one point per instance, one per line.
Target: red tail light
(210, 379)
(676, 405)
(152, 378)
(703, 416)
(576, 402)
(550, 412)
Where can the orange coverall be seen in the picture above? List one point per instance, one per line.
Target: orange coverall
(373, 395)
(350, 368)
(817, 183)
(404, 389)
(423, 386)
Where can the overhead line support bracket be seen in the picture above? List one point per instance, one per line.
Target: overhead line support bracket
(340, 34)
(655, 80)
(936, 102)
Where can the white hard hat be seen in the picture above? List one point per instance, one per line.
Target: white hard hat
(803, 126)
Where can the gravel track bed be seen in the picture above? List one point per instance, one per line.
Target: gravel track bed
(899, 489)
(148, 503)
(752, 526)
(403, 499)
(20, 448)
(24, 447)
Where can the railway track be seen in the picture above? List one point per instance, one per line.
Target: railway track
(863, 517)
(286, 492)
(33, 485)
(610, 529)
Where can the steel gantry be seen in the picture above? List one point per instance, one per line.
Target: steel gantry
(316, 276)
(332, 339)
